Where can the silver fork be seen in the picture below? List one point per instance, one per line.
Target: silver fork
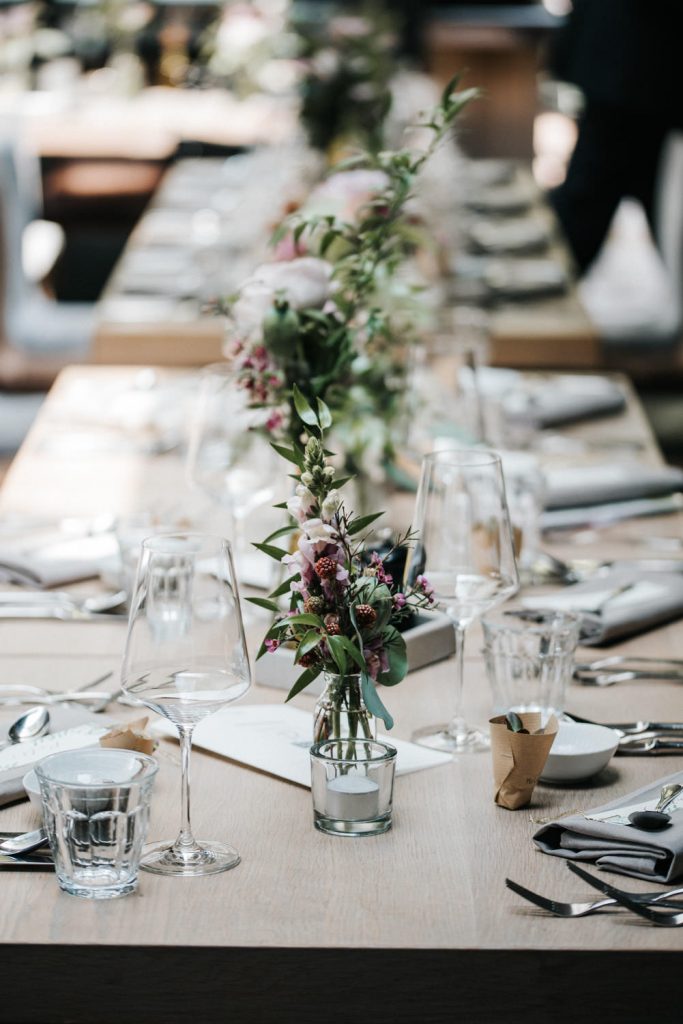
(583, 909)
(626, 899)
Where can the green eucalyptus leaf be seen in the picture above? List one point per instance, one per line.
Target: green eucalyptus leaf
(395, 650)
(372, 701)
(285, 586)
(324, 415)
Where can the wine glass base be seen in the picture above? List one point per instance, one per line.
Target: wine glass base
(208, 859)
(465, 741)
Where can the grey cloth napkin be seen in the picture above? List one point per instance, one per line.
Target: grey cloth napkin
(653, 599)
(554, 406)
(654, 856)
(67, 561)
(574, 487)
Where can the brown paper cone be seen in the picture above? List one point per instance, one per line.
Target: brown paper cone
(518, 758)
(130, 737)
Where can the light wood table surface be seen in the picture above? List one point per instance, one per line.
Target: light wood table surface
(414, 926)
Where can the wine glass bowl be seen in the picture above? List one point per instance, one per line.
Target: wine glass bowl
(465, 549)
(185, 659)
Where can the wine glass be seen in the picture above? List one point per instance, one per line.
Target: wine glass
(464, 548)
(228, 458)
(186, 658)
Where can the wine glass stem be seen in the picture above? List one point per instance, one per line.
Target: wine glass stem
(457, 725)
(185, 841)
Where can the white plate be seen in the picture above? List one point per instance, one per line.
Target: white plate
(579, 752)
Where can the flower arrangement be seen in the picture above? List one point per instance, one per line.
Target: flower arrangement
(344, 612)
(331, 321)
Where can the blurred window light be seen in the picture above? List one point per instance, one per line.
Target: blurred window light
(558, 7)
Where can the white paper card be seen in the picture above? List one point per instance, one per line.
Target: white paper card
(276, 739)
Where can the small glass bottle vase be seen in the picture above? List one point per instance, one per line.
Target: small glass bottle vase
(340, 712)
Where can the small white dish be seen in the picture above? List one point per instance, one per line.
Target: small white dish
(32, 787)
(579, 752)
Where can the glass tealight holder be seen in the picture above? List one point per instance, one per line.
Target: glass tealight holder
(96, 812)
(529, 664)
(352, 784)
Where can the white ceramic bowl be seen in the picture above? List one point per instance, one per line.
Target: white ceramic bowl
(579, 752)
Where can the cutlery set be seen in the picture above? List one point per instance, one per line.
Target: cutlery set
(641, 903)
(641, 737)
(620, 668)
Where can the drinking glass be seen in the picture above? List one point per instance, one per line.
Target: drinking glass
(96, 811)
(464, 548)
(186, 658)
(229, 459)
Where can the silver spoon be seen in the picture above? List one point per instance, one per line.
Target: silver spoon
(24, 843)
(653, 821)
(28, 726)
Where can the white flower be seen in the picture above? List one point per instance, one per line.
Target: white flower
(301, 504)
(304, 282)
(331, 504)
(317, 531)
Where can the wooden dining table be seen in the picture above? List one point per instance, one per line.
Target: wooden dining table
(413, 926)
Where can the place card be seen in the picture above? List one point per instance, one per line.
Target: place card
(276, 738)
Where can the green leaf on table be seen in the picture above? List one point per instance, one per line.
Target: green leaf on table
(302, 682)
(304, 410)
(372, 701)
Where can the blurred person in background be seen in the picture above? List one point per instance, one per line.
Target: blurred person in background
(625, 56)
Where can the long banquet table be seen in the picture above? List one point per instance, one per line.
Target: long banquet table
(416, 925)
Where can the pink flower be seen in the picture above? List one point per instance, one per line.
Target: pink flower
(271, 645)
(423, 584)
(399, 601)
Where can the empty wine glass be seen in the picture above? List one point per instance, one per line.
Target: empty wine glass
(186, 658)
(464, 548)
(229, 458)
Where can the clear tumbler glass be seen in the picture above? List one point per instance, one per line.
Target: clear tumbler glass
(96, 812)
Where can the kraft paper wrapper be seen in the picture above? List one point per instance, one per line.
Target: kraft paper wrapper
(130, 736)
(519, 759)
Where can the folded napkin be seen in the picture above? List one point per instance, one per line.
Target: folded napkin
(71, 727)
(570, 398)
(655, 856)
(651, 599)
(60, 562)
(595, 484)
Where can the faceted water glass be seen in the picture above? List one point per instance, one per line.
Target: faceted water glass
(530, 664)
(96, 812)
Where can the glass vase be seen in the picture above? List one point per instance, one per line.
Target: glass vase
(340, 712)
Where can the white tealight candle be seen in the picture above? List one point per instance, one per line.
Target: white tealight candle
(352, 798)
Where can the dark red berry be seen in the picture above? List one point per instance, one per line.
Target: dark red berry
(325, 568)
(365, 615)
